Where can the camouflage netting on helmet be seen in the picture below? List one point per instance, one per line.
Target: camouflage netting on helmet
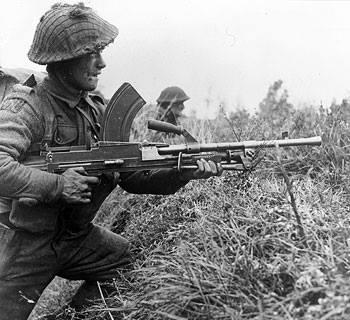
(69, 31)
(172, 95)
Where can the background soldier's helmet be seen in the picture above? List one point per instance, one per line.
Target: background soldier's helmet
(69, 31)
(173, 95)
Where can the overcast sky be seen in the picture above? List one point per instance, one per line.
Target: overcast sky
(225, 50)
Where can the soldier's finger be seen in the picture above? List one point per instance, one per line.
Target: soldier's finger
(213, 167)
(220, 169)
(84, 200)
(207, 169)
(86, 195)
(92, 180)
(200, 165)
(116, 175)
(80, 170)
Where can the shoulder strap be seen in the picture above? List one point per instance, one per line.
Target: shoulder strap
(50, 120)
(23, 92)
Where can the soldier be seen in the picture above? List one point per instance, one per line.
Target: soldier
(46, 224)
(171, 104)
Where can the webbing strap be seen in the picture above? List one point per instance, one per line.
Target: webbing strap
(50, 118)
(87, 117)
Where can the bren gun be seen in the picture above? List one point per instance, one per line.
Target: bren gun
(115, 153)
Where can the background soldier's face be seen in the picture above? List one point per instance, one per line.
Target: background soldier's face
(177, 108)
(84, 71)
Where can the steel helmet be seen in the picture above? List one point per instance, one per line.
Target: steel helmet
(173, 95)
(69, 31)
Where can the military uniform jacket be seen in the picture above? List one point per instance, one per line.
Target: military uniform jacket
(53, 113)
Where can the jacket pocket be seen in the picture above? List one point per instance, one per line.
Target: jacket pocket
(65, 134)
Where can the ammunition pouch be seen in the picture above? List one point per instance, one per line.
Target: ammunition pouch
(37, 219)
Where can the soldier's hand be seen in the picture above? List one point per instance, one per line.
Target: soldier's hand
(77, 186)
(205, 170)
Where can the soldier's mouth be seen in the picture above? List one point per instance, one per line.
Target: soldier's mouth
(95, 74)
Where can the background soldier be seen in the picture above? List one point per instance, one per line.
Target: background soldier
(54, 235)
(171, 104)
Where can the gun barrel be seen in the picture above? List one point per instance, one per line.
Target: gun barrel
(207, 147)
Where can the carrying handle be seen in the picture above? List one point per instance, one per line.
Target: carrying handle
(163, 126)
(167, 127)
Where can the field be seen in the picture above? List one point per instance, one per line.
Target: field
(271, 243)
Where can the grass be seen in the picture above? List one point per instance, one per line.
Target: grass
(231, 247)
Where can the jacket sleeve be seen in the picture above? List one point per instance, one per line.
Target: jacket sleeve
(20, 126)
(160, 181)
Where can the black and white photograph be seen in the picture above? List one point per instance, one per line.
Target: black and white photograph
(175, 160)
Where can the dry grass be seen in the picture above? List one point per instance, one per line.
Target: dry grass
(230, 247)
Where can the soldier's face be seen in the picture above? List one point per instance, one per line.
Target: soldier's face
(84, 71)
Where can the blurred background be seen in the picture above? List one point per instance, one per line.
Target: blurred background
(220, 52)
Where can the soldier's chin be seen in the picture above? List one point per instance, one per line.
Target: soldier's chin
(92, 83)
